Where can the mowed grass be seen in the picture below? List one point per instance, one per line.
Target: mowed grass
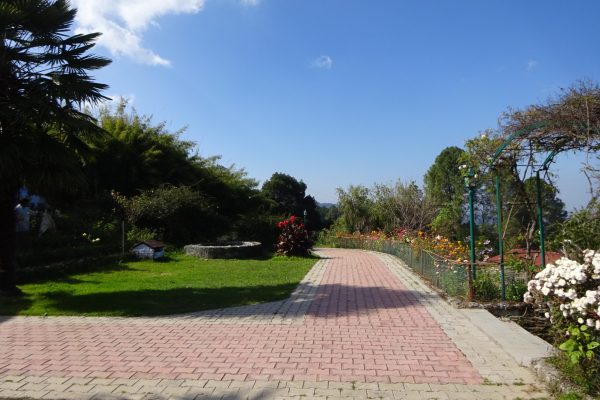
(180, 284)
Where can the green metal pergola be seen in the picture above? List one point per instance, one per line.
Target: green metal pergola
(540, 220)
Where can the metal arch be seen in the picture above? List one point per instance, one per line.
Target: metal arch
(516, 135)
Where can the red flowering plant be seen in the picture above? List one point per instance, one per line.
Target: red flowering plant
(293, 238)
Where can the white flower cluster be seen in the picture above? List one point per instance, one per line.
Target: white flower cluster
(571, 287)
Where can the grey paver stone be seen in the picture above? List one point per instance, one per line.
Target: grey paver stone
(217, 384)
(65, 396)
(380, 394)
(328, 392)
(194, 383)
(340, 385)
(242, 386)
(175, 391)
(34, 386)
(267, 384)
(390, 386)
(13, 385)
(316, 385)
(56, 380)
(35, 379)
(301, 392)
(14, 378)
(57, 387)
(102, 381)
(79, 381)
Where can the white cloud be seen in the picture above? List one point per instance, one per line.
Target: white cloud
(250, 3)
(122, 23)
(531, 64)
(323, 62)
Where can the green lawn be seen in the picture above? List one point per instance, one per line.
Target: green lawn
(179, 284)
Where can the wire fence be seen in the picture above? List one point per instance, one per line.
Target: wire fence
(449, 276)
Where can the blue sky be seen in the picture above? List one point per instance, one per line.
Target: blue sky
(340, 92)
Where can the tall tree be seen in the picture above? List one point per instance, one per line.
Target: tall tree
(137, 154)
(444, 186)
(356, 209)
(443, 180)
(401, 206)
(44, 80)
(288, 196)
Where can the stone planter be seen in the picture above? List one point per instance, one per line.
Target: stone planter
(223, 250)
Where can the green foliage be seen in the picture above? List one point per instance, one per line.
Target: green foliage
(137, 154)
(581, 346)
(260, 227)
(454, 283)
(136, 234)
(486, 287)
(287, 196)
(44, 74)
(385, 207)
(328, 215)
(448, 222)
(582, 229)
(570, 396)
(586, 379)
(355, 207)
(44, 71)
(443, 181)
(177, 215)
(579, 361)
(401, 206)
(515, 290)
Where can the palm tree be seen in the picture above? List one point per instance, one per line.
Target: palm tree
(44, 82)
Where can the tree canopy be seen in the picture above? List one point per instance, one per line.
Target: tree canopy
(44, 80)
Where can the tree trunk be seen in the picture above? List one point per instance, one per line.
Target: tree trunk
(8, 240)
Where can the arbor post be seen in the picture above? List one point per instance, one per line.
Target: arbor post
(471, 189)
(500, 240)
(538, 187)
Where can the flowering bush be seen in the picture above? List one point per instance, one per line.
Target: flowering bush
(444, 247)
(293, 238)
(419, 240)
(572, 291)
(572, 287)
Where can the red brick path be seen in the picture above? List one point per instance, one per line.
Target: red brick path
(363, 325)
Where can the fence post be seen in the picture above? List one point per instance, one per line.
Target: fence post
(471, 291)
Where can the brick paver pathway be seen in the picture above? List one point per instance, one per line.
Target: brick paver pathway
(360, 325)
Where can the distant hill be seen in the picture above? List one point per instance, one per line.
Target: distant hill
(326, 205)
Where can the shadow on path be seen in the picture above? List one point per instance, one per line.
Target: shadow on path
(331, 300)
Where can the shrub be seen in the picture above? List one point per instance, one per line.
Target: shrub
(258, 228)
(572, 292)
(485, 287)
(177, 215)
(515, 290)
(293, 238)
